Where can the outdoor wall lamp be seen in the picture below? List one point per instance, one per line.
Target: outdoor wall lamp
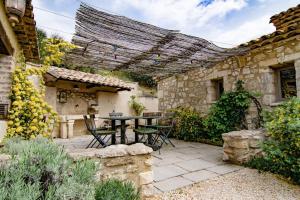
(15, 10)
(62, 98)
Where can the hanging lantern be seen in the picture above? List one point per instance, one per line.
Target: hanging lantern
(15, 10)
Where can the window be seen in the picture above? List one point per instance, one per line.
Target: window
(218, 85)
(287, 83)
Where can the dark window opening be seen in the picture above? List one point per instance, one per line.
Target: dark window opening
(218, 87)
(287, 80)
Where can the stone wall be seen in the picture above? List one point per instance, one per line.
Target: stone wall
(127, 163)
(240, 146)
(257, 69)
(6, 67)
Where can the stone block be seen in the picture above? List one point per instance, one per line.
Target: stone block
(241, 146)
(138, 149)
(146, 177)
(149, 162)
(238, 143)
(118, 161)
(112, 151)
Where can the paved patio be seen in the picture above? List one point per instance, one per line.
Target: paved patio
(174, 168)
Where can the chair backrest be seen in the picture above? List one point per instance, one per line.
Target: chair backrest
(90, 122)
(115, 114)
(152, 114)
(169, 115)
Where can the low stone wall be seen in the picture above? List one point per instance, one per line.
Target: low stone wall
(129, 163)
(240, 146)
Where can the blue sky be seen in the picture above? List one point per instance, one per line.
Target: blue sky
(225, 22)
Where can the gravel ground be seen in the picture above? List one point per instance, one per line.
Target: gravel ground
(246, 184)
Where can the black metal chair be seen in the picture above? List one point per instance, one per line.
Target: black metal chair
(100, 134)
(165, 127)
(151, 134)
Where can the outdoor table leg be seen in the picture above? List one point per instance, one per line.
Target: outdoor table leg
(113, 127)
(136, 126)
(123, 130)
(149, 122)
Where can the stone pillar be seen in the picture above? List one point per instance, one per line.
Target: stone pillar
(70, 127)
(297, 68)
(63, 130)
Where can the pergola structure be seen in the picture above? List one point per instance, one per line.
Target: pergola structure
(114, 42)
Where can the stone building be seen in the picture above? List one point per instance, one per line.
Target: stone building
(271, 67)
(16, 34)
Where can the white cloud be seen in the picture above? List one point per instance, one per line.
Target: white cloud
(51, 23)
(180, 14)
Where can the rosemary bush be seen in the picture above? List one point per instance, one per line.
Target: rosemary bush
(40, 169)
(116, 190)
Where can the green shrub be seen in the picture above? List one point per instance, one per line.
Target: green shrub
(116, 190)
(189, 124)
(40, 169)
(228, 113)
(282, 150)
(136, 106)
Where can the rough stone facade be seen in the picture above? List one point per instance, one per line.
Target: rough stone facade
(127, 163)
(240, 146)
(6, 66)
(258, 69)
(5, 77)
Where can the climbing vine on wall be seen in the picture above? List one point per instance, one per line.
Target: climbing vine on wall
(29, 115)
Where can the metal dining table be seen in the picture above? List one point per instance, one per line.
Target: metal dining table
(123, 120)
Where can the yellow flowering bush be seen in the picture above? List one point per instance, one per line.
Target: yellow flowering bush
(53, 51)
(29, 114)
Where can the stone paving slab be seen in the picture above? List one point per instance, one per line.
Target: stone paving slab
(187, 163)
(172, 184)
(195, 165)
(165, 172)
(165, 161)
(200, 175)
(224, 169)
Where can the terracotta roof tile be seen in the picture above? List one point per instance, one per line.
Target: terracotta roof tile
(73, 75)
(287, 25)
(26, 34)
